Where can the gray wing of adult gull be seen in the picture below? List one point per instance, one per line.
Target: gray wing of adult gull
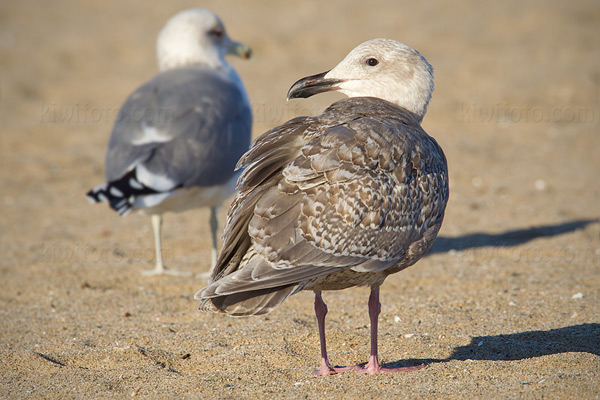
(322, 200)
(164, 137)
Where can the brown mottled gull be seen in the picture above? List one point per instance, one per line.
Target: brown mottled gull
(177, 138)
(339, 200)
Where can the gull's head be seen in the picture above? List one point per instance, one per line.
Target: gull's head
(381, 68)
(196, 37)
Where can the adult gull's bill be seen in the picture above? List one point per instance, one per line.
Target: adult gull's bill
(177, 138)
(342, 199)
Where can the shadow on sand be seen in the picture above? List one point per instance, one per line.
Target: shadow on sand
(507, 239)
(516, 346)
(584, 338)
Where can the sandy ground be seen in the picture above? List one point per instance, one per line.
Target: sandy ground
(505, 306)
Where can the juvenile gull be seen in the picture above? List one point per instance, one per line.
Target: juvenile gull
(178, 137)
(339, 200)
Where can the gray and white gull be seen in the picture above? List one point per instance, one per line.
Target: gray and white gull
(342, 199)
(177, 138)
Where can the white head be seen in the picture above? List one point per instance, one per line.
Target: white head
(196, 37)
(381, 68)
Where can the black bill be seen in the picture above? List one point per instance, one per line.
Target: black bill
(312, 85)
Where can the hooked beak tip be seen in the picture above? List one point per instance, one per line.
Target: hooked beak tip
(312, 85)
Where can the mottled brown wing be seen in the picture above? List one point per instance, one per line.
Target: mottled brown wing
(361, 192)
(263, 164)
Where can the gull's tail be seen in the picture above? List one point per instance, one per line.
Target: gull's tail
(120, 194)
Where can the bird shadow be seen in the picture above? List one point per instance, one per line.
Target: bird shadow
(507, 239)
(583, 338)
(516, 346)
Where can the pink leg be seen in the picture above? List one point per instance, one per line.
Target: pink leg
(321, 312)
(373, 366)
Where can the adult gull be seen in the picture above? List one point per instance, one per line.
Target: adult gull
(342, 199)
(177, 138)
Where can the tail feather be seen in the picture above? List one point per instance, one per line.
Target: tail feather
(120, 194)
(253, 302)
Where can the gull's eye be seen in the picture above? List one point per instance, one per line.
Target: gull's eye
(371, 62)
(216, 32)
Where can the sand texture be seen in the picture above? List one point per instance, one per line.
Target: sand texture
(506, 305)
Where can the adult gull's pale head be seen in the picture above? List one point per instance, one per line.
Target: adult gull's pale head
(196, 37)
(381, 68)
